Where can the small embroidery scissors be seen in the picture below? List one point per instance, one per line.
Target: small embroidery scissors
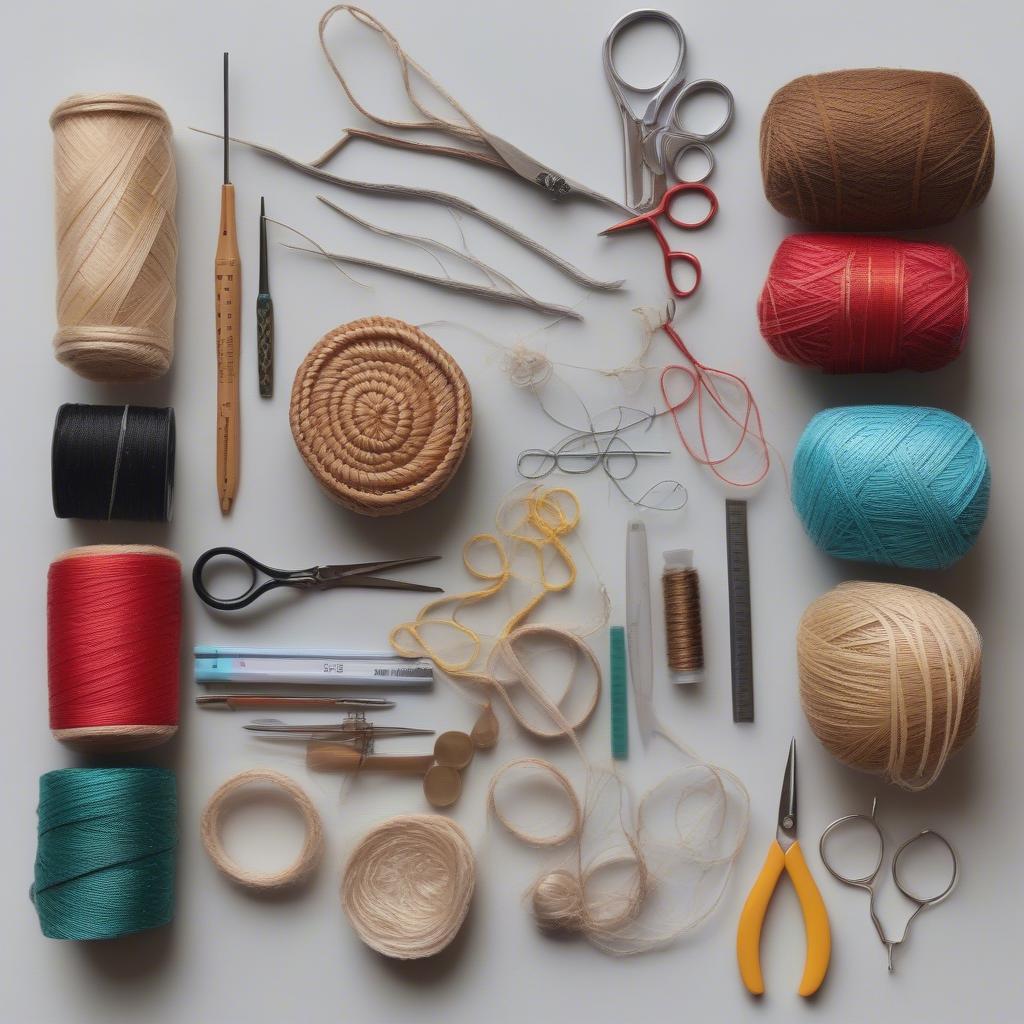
(867, 881)
(319, 577)
(656, 139)
(665, 209)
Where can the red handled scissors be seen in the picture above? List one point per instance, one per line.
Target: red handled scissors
(664, 209)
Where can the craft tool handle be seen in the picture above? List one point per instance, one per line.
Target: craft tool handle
(228, 274)
(324, 756)
(265, 343)
(816, 927)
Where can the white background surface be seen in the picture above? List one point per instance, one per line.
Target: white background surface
(531, 72)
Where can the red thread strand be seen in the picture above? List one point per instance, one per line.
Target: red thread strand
(114, 631)
(855, 304)
(706, 386)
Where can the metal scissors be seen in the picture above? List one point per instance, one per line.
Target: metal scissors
(484, 146)
(665, 209)
(656, 139)
(785, 855)
(867, 882)
(319, 577)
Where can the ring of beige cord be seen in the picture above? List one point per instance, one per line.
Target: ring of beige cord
(312, 848)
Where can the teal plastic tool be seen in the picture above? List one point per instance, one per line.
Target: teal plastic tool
(620, 702)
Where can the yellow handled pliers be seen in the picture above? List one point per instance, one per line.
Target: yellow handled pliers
(785, 854)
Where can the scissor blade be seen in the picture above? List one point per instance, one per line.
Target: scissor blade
(335, 572)
(787, 799)
(533, 171)
(379, 583)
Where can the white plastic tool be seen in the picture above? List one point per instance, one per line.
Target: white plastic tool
(639, 632)
(257, 665)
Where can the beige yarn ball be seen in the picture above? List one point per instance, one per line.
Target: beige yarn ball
(117, 243)
(382, 415)
(407, 886)
(558, 904)
(890, 678)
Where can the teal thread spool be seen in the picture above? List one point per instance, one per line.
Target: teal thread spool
(105, 856)
(898, 485)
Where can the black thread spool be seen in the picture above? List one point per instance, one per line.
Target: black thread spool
(113, 462)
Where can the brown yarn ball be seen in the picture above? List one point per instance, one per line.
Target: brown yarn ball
(890, 679)
(876, 149)
(382, 415)
(117, 244)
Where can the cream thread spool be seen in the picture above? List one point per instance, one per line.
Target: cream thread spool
(684, 642)
(117, 243)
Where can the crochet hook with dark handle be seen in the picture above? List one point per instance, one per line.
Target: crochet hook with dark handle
(264, 316)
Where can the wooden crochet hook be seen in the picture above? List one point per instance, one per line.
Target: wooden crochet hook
(228, 285)
(325, 756)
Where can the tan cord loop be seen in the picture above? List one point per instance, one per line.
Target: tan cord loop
(382, 416)
(312, 848)
(407, 886)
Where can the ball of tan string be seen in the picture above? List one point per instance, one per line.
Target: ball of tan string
(408, 885)
(890, 678)
(117, 243)
(382, 415)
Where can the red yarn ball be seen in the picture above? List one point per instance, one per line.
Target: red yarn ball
(857, 304)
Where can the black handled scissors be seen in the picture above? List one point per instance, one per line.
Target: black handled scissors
(319, 577)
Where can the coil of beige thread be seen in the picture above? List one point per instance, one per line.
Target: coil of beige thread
(684, 641)
(117, 243)
(408, 885)
(890, 679)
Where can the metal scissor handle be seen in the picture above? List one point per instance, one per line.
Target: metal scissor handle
(660, 90)
(276, 578)
(867, 882)
(676, 140)
(642, 166)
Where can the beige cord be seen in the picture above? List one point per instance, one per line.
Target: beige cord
(890, 679)
(117, 244)
(407, 886)
(312, 848)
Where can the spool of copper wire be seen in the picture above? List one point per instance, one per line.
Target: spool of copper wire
(684, 641)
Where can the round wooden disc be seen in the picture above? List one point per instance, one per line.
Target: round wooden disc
(442, 785)
(453, 750)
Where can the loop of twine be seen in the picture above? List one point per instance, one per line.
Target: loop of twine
(312, 847)
(407, 886)
(539, 522)
(382, 416)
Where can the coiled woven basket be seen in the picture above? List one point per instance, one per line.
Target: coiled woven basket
(382, 415)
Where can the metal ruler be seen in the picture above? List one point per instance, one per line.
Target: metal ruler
(740, 631)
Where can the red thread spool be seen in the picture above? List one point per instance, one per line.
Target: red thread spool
(856, 304)
(113, 637)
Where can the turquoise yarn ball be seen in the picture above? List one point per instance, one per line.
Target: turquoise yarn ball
(105, 855)
(898, 485)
